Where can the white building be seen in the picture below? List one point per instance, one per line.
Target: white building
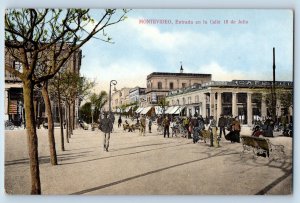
(244, 98)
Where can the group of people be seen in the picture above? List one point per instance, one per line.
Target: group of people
(193, 127)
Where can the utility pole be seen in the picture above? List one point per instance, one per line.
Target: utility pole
(273, 89)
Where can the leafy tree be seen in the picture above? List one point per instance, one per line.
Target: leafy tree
(56, 89)
(285, 96)
(51, 35)
(73, 86)
(286, 100)
(98, 100)
(85, 112)
(163, 103)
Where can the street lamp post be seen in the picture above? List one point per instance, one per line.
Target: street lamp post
(112, 82)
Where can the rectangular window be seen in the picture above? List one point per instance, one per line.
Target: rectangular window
(171, 86)
(183, 85)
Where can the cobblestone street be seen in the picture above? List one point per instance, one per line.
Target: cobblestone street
(150, 165)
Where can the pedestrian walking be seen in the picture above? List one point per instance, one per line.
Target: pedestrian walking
(173, 128)
(106, 127)
(166, 124)
(119, 121)
(236, 127)
(150, 125)
(143, 126)
(198, 128)
(222, 125)
(213, 132)
(186, 124)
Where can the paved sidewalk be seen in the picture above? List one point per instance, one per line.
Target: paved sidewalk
(145, 165)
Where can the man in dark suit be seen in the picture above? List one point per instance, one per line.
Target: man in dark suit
(221, 125)
(106, 128)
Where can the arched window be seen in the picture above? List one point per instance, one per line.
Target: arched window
(171, 85)
(159, 85)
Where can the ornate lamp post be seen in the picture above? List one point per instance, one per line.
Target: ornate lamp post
(112, 82)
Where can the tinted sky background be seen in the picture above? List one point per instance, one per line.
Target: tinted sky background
(227, 51)
(160, 4)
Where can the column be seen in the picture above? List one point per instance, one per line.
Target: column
(166, 84)
(203, 107)
(249, 109)
(219, 105)
(234, 105)
(278, 107)
(6, 102)
(263, 106)
(200, 108)
(212, 103)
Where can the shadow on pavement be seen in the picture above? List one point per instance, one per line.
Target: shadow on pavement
(120, 155)
(145, 174)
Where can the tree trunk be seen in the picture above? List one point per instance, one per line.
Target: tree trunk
(61, 120)
(67, 122)
(32, 139)
(70, 121)
(51, 138)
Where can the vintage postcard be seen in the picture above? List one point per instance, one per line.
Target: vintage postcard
(149, 101)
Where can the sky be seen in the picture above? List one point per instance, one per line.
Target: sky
(227, 51)
(100, 53)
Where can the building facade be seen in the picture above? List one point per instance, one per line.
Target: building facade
(160, 83)
(137, 94)
(247, 99)
(119, 98)
(14, 104)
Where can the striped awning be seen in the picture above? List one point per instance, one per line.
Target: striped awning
(139, 110)
(13, 107)
(178, 111)
(128, 109)
(170, 109)
(146, 110)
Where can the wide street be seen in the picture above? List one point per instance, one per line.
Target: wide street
(144, 165)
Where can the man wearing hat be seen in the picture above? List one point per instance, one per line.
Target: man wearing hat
(106, 127)
(221, 125)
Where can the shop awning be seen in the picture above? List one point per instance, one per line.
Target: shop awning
(139, 110)
(178, 111)
(158, 110)
(146, 110)
(128, 109)
(170, 109)
(173, 110)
